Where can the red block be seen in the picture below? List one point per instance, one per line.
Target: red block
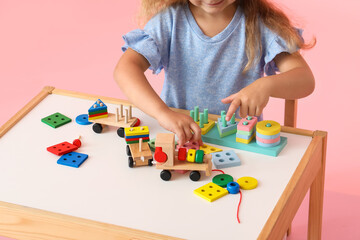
(159, 155)
(182, 154)
(62, 148)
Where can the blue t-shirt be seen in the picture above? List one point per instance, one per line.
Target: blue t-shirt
(201, 70)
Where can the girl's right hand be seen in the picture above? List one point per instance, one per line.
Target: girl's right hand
(182, 125)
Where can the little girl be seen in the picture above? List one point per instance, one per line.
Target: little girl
(213, 52)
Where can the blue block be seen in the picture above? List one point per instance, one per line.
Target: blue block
(246, 137)
(230, 141)
(138, 136)
(72, 159)
(267, 136)
(83, 119)
(266, 145)
(228, 130)
(225, 159)
(98, 107)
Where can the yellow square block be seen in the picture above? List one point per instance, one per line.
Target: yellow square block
(207, 126)
(240, 140)
(211, 192)
(98, 117)
(209, 149)
(134, 131)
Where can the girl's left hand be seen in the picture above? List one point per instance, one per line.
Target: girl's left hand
(251, 99)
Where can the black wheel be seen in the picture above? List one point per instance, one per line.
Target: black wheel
(131, 162)
(121, 132)
(195, 175)
(97, 128)
(150, 162)
(128, 152)
(165, 175)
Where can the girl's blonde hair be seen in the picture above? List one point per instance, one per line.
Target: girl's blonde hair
(273, 17)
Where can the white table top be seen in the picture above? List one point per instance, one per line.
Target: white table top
(105, 189)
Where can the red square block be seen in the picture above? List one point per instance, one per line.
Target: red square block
(62, 148)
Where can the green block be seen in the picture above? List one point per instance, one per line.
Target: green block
(137, 141)
(97, 112)
(230, 141)
(245, 133)
(152, 145)
(225, 132)
(56, 120)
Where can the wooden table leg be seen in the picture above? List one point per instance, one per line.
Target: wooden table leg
(317, 196)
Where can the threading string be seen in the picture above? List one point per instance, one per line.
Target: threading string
(219, 171)
(237, 213)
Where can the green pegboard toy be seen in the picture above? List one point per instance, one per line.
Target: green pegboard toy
(56, 120)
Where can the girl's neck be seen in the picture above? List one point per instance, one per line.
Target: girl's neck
(212, 24)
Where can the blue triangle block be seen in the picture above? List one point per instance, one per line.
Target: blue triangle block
(72, 159)
(97, 106)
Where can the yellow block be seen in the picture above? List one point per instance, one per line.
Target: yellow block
(247, 183)
(191, 155)
(211, 192)
(134, 131)
(209, 149)
(207, 126)
(264, 130)
(246, 141)
(97, 117)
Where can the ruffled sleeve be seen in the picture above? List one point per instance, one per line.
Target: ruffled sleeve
(144, 44)
(276, 46)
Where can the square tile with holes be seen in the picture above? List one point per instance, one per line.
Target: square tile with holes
(225, 159)
(56, 120)
(211, 192)
(72, 159)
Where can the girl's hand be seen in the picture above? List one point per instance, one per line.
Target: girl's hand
(182, 125)
(251, 99)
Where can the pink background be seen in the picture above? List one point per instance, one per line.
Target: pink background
(75, 45)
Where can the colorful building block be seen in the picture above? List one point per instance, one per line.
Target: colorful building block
(83, 119)
(202, 119)
(56, 120)
(62, 148)
(245, 130)
(189, 145)
(247, 183)
(224, 127)
(134, 131)
(97, 106)
(268, 128)
(213, 137)
(225, 159)
(222, 179)
(211, 192)
(72, 159)
(209, 149)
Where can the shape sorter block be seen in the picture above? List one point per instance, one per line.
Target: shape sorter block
(224, 127)
(202, 119)
(72, 159)
(271, 131)
(225, 159)
(209, 149)
(211, 192)
(135, 131)
(56, 120)
(62, 148)
(213, 137)
(97, 107)
(189, 145)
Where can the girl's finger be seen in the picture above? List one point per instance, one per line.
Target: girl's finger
(232, 109)
(197, 133)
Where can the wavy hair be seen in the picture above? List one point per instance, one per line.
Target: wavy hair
(254, 10)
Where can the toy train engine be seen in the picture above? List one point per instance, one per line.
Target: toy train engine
(168, 159)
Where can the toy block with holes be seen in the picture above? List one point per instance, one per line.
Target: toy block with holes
(98, 110)
(189, 145)
(224, 127)
(268, 133)
(211, 192)
(225, 159)
(72, 159)
(202, 119)
(121, 119)
(56, 120)
(209, 149)
(246, 130)
(65, 147)
(134, 134)
(183, 159)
